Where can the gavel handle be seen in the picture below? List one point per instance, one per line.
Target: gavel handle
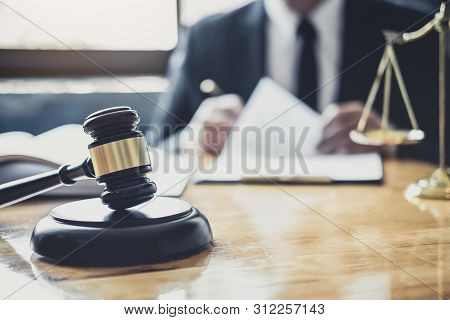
(19, 190)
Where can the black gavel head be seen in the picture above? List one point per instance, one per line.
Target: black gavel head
(120, 157)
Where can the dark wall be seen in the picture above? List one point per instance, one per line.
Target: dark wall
(425, 5)
(36, 113)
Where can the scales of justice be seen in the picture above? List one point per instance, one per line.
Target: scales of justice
(437, 186)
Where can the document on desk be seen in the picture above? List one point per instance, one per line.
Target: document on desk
(275, 139)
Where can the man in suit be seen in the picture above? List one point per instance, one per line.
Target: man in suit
(324, 51)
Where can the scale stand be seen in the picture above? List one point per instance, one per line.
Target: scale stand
(437, 186)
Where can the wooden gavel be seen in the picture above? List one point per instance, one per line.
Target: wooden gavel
(119, 159)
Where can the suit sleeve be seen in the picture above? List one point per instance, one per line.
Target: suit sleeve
(179, 104)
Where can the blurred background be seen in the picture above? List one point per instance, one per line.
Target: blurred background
(62, 59)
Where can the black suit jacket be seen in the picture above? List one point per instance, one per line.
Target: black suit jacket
(230, 49)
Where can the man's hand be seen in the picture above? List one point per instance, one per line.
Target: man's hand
(213, 121)
(342, 120)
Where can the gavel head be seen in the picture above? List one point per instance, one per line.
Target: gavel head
(120, 157)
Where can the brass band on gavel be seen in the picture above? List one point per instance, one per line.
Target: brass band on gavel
(120, 155)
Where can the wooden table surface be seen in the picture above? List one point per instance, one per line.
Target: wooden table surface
(271, 242)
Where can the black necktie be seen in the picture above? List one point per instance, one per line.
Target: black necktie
(307, 78)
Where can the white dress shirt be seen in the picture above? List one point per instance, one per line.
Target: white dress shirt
(284, 47)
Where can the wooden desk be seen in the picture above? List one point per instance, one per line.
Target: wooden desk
(287, 242)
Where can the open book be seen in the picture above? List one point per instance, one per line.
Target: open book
(275, 139)
(23, 155)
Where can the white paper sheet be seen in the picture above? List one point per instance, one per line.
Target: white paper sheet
(272, 109)
(276, 137)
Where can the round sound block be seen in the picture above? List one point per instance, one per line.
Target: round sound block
(89, 233)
